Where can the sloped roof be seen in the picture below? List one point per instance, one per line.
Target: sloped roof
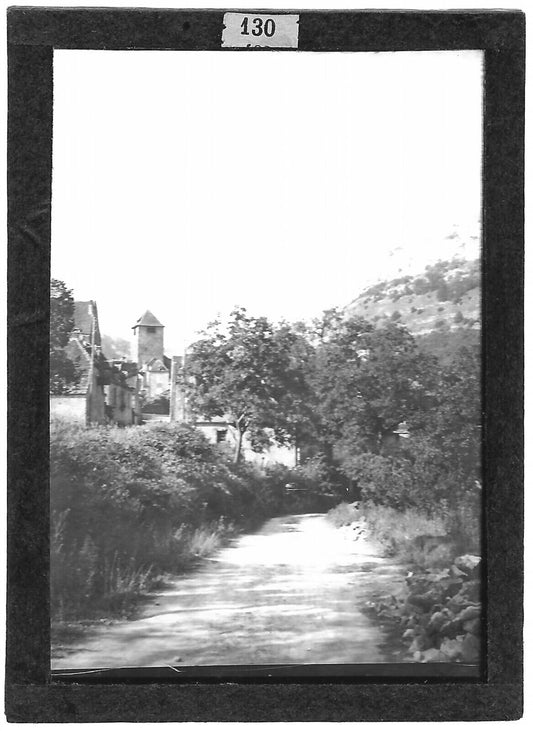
(128, 367)
(155, 364)
(148, 319)
(85, 314)
(79, 355)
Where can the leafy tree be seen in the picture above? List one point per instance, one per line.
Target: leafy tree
(370, 380)
(250, 373)
(294, 416)
(456, 421)
(439, 464)
(63, 371)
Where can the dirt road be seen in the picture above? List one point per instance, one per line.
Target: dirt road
(290, 593)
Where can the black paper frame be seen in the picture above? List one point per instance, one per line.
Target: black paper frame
(31, 695)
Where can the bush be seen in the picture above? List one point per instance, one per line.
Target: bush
(157, 405)
(399, 481)
(343, 514)
(130, 504)
(396, 530)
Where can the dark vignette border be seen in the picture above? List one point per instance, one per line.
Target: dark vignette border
(33, 33)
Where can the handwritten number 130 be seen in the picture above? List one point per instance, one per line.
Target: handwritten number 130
(259, 28)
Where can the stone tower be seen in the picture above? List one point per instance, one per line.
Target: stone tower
(149, 339)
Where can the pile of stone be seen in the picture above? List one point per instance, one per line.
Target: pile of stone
(439, 612)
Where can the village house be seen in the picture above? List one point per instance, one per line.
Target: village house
(162, 377)
(105, 392)
(152, 363)
(124, 392)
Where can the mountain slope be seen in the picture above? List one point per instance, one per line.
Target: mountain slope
(440, 306)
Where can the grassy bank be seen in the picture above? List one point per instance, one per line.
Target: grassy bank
(129, 506)
(437, 613)
(413, 536)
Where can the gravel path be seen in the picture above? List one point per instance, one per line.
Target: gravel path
(290, 593)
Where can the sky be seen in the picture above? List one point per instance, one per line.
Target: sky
(190, 182)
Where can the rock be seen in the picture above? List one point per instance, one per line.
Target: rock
(433, 655)
(425, 601)
(451, 649)
(471, 612)
(471, 590)
(470, 648)
(417, 644)
(408, 634)
(451, 586)
(434, 576)
(457, 603)
(473, 626)
(437, 620)
(456, 572)
(451, 628)
(417, 657)
(468, 563)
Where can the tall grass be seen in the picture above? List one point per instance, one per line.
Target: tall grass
(344, 514)
(130, 505)
(396, 530)
(412, 535)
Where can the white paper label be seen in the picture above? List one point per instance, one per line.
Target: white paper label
(252, 30)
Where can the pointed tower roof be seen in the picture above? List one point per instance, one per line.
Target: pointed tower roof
(149, 320)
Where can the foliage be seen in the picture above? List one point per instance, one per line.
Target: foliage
(437, 612)
(368, 381)
(130, 504)
(249, 372)
(63, 371)
(396, 529)
(157, 404)
(456, 418)
(450, 279)
(439, 464)
(343, 514)
(446, 344)
(61, 314)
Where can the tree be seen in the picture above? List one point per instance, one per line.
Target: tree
(294, 417)
(456, 420)
(440, 463)
(63, 371)
(369, 380)
(250, 373)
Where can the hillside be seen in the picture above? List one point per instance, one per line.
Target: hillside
(440, 306)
